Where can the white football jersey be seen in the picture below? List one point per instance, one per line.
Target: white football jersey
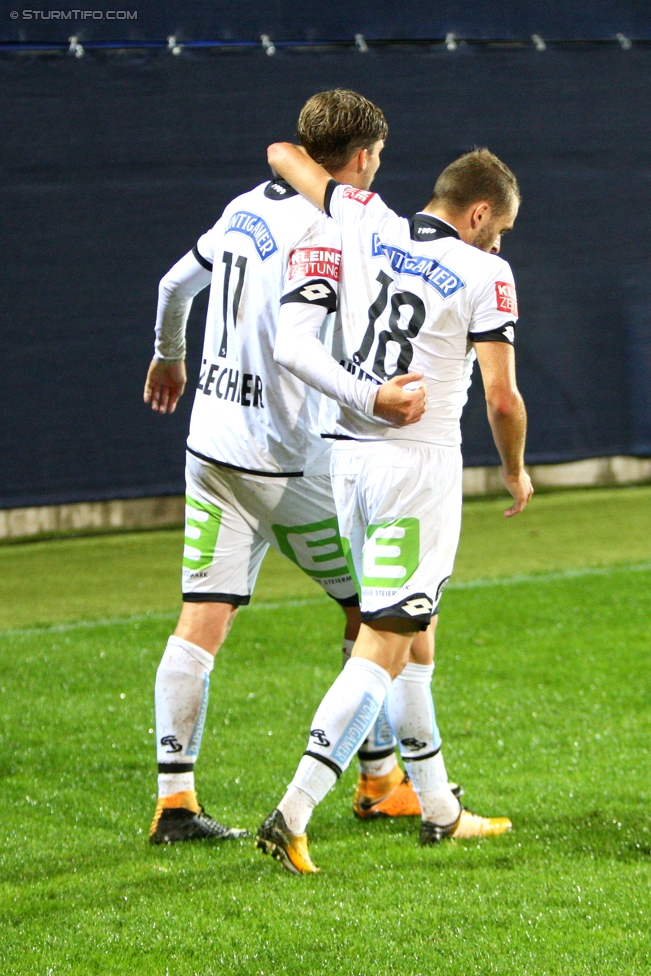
(249, 413)
(412, 297)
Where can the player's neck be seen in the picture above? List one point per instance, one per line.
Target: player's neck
(460, 222)
(442, 214)
(348, 174)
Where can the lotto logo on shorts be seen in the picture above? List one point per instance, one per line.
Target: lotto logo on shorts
(507, 300)
(362, 196)
(315, 262)
(316, 547)
(391, 553)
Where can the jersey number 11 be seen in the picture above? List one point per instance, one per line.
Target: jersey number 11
(240, 264)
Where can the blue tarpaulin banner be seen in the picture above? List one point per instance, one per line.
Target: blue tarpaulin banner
(113, 165)
(310, 20)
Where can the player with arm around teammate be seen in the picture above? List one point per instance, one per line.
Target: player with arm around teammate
(255, 471)
(422, 294)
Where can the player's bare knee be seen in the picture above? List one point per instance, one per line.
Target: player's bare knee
(353, 621)
(422, 646)
(205, 624)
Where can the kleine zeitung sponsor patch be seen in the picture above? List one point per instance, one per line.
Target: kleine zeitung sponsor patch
(361, 196)
(507, 300)
(315, 262)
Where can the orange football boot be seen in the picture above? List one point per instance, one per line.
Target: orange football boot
(385, 796)
(274, 837)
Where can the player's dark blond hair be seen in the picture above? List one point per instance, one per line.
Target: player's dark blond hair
(334, 125)
(475, 177)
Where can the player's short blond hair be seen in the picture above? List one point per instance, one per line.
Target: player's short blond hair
(334, 125)
(475, 177)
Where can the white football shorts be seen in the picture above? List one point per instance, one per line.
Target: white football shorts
(231, 519)
(399, 510)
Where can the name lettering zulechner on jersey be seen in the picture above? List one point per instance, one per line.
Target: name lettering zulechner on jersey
(227, 384)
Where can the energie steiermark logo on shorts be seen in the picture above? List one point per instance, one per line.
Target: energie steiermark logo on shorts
(391, 553)
(202, 521)
(316, 547)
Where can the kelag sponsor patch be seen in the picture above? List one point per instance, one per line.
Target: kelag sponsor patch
(256, 228)
(507, 300)
(362, 196)
(315, 262)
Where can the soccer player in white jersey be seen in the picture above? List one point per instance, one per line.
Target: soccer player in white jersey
(422, 294)
(256, 470)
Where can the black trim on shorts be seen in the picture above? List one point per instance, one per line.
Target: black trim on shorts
(235, 599)
(345, 601)
(327, 197)
(377, 615)
(428, 755)
(175, 767)
(337, 770)
(382, 754)
(204, 262)
(421, 620)
(234, 467)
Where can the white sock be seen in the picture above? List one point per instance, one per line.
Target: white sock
(377, 756)
(316, 780)
(181, 697)
(348, 711)
(412, 715)
(373, 757)
(169, 783)
(438, 803)
(341, 724)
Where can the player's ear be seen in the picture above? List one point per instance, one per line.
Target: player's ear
(363, 157)
(480, 213)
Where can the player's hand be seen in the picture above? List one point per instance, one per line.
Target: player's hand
(399, 406)
(521, 488)
(164, 385)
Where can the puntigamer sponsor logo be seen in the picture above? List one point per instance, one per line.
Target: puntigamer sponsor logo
(441, 279)
(256, 228)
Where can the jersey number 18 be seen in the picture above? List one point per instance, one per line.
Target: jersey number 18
(395, 333)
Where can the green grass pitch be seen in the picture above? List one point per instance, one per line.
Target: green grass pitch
(542, 691)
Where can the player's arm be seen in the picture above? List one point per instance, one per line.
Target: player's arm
(507, 417)
(299, 349)
(166, 377)
(294, 165)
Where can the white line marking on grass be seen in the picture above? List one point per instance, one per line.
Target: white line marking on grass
(137, 618)
(550, 577)
(323, 601)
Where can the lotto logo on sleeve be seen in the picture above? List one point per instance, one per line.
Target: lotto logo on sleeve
(507, 300)
(315, 262)
(362, 196)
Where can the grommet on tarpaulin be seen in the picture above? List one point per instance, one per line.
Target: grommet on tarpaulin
(538, 42)
(75, 47)
(268, 44)
(361, 44)
(173, 45)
